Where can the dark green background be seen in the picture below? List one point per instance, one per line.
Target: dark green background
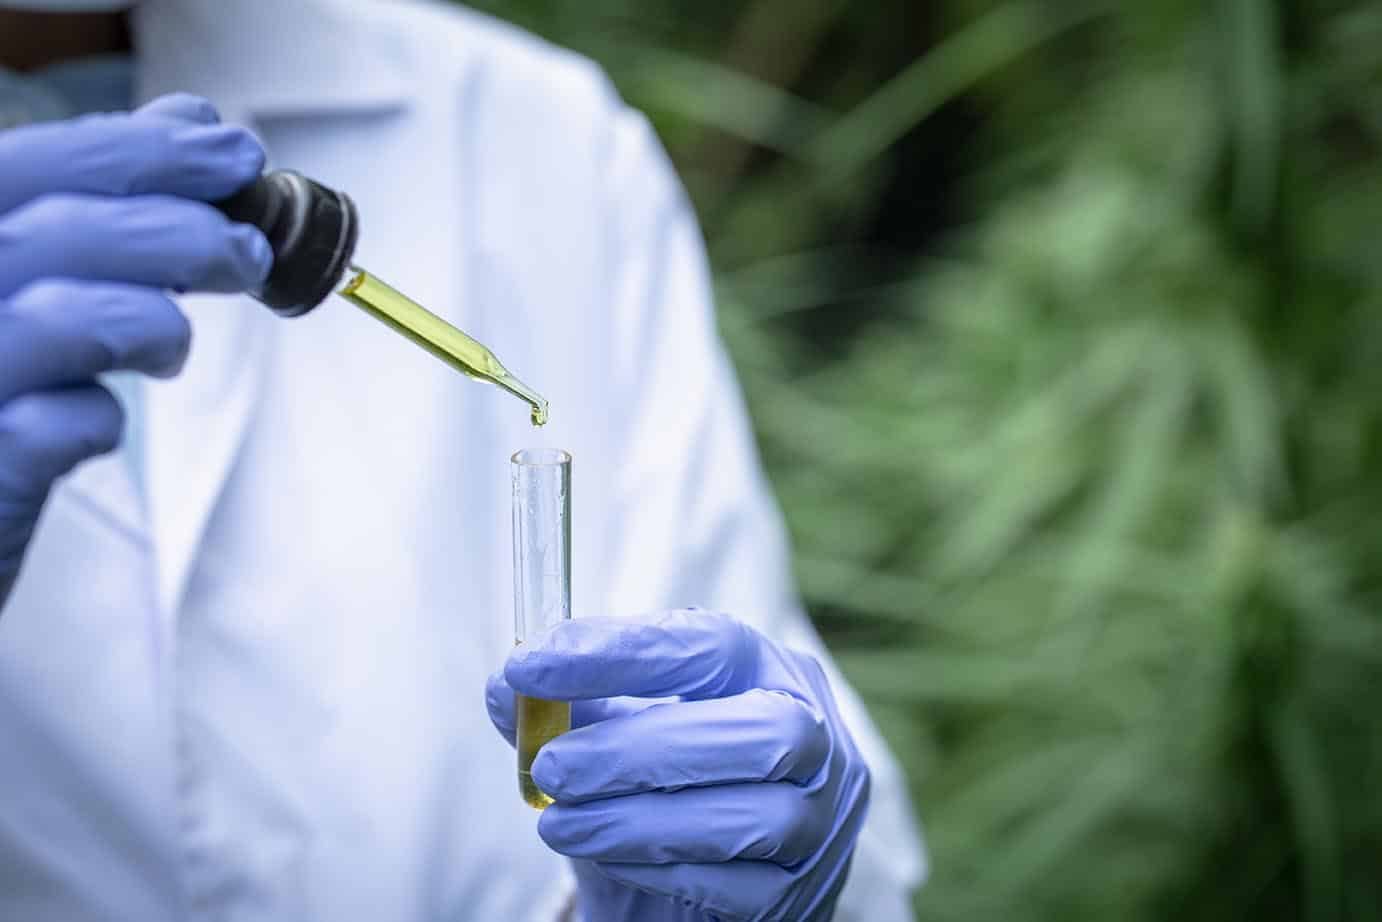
(1062, 326)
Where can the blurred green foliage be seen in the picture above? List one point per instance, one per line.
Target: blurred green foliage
(1062, 323)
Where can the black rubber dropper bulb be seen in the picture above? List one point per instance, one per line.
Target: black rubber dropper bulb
(312, 230)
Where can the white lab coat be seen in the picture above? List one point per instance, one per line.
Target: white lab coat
(250, 687)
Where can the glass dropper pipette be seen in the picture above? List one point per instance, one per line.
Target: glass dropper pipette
(434, 334)
(313, 230)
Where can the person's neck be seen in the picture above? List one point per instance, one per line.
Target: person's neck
(30, 41)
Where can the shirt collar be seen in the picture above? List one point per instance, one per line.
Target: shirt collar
(24, 99)
(272, 57)
(98, 83)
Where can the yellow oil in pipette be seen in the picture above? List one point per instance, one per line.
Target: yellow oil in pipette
(438, 337)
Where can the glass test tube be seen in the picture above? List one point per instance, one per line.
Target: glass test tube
(541, 590)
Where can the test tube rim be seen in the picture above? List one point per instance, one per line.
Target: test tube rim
(541, 457)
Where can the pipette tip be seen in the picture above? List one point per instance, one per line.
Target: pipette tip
(524, 392)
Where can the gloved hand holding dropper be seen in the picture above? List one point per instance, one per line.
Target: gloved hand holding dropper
(99, 217)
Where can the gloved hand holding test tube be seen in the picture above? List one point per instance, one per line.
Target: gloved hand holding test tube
(740, 801)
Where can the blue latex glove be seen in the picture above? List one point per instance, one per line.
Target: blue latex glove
(99, 216)
(740, 801)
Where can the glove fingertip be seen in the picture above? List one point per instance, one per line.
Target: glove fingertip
(257, 253)
(184, 107)
(518, 669)
(548, 774)
(556, 830)
(498, 695)
(500, 705)
(250, 158)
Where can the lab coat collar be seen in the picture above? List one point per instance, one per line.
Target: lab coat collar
(258, 58)
(255, 59)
